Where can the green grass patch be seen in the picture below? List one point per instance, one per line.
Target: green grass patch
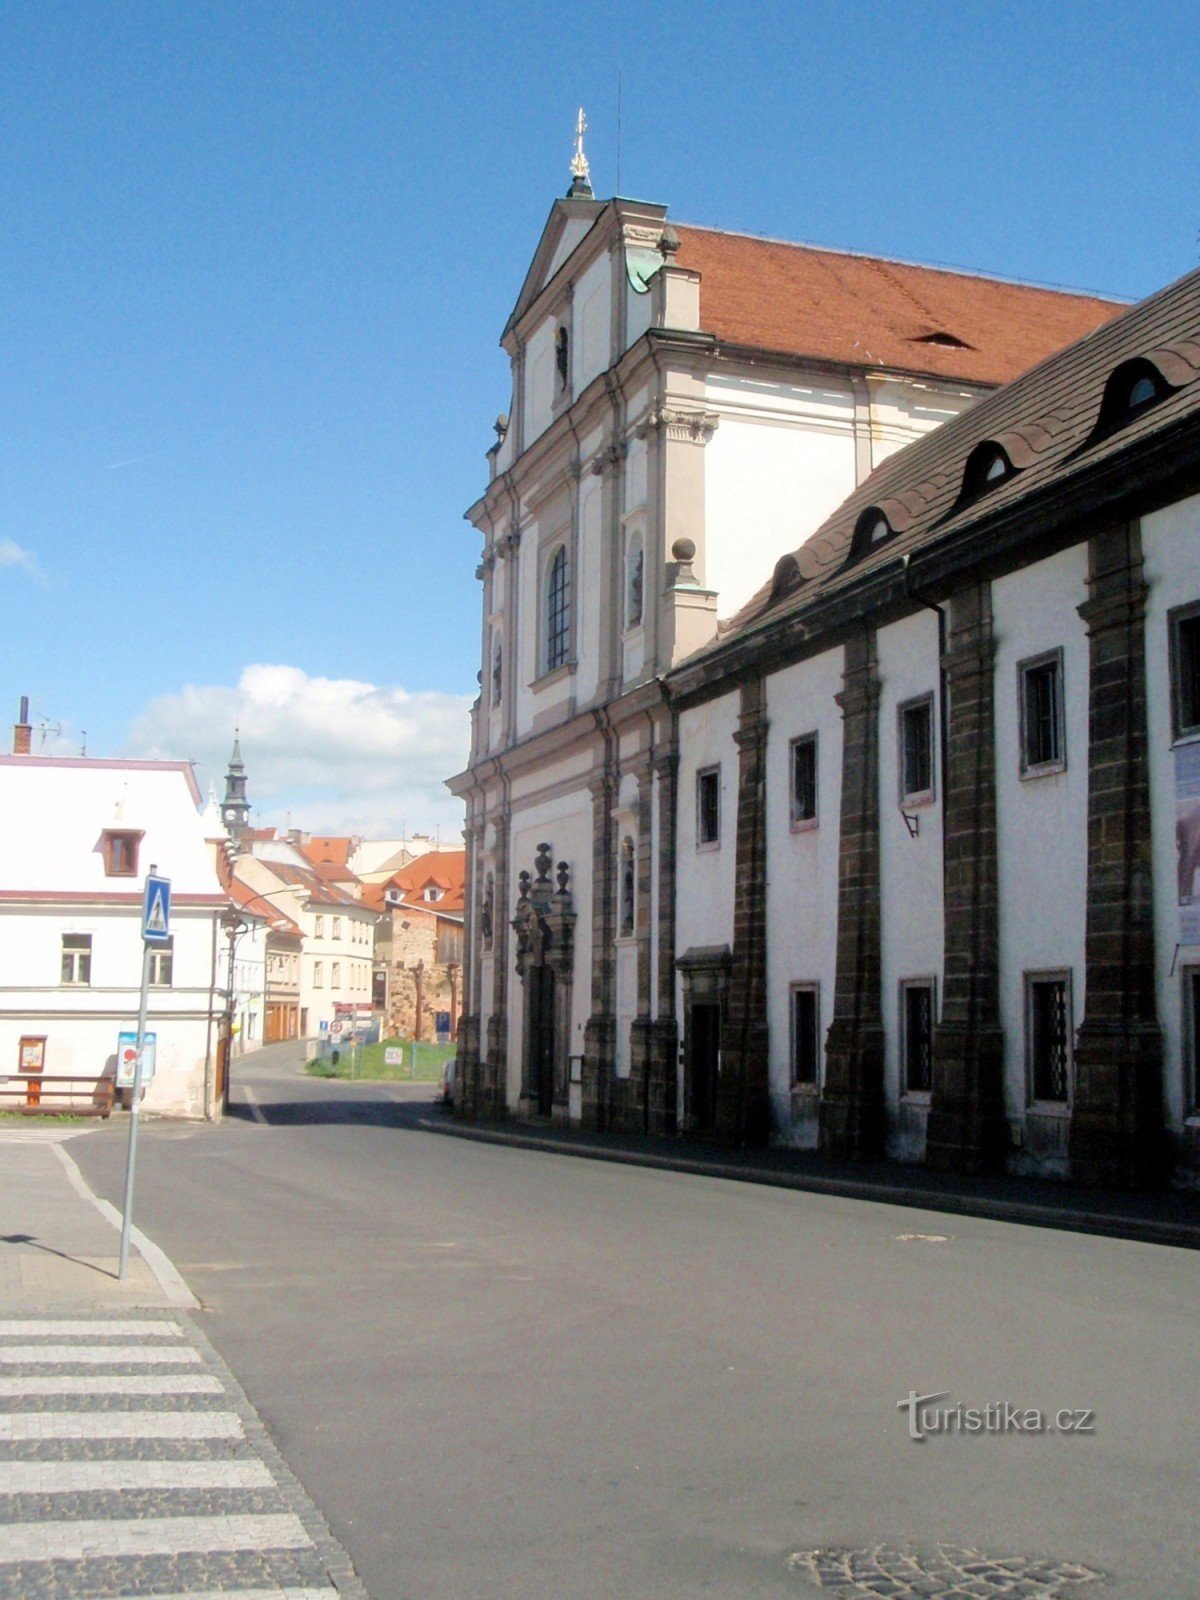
(369, 1062)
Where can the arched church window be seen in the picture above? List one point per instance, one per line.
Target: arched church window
(558, 611)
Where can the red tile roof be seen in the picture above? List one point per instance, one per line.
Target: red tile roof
(329, 850)
(868, 311)
(241, 894)
(446, 869)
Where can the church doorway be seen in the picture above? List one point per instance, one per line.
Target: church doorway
(705, 1029)
(540, 1043)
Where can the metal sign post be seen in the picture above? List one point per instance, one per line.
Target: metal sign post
(156, 929)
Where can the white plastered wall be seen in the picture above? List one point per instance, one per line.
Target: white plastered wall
(802, 870)
(1171, 549)
(592, 323)
(705, 876)
(910, 862)
(1041, 822)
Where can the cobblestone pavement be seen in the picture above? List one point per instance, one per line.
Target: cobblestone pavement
(131, 1464)
(950, 1573)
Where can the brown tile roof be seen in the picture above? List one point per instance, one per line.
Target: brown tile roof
(244, 896)
(310, 881)
(329, 850)
(867, 311)
(447, 869)
(1046, 421)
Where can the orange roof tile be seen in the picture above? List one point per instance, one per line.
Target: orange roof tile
(867, 311)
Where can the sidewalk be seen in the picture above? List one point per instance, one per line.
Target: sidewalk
(59, 1243)
(1159, 1217)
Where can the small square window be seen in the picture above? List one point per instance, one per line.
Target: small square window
(916, 1034)
(76, 958)
(162, 964)
(1048, 1036)
(806, 1035)
(708, 807)
(916, 750)
(804, 781)
(1184, 624)
(121, 853)
(1040, 706)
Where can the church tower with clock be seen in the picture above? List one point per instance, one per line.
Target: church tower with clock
(235, 808)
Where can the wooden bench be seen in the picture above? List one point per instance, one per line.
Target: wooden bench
(44, 1094)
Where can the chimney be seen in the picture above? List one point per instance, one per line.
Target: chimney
(23, 730)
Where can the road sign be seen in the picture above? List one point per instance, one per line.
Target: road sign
(127, 1058)
(156, 910)
(393, 1056)
(335, 1028)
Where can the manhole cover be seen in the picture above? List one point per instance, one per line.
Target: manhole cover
(950, 1573)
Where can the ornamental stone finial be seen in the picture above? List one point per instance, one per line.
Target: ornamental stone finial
(581, 176)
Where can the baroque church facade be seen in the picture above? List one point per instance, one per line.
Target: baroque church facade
(755, 860)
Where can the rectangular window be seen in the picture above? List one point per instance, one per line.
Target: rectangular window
(77, 958)
(318, 974)
(1048, 1034)
(916, 1034)
(318, 927)
(806, 1035)
(335, 976)
(708, 806)
(1040, 703)
(120, 853)
(337, 927)
(1184, 624)
(916, 750)
(162, 961)
(804, 780)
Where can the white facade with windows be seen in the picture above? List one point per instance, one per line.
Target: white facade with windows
(79, 836)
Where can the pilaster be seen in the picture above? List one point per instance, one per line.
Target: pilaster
(967, 1130)
(1117, 1114)
(743, 1101)
(600, 1032)
(852, 1113)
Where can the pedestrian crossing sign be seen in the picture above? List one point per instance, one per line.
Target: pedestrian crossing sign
(156, 911)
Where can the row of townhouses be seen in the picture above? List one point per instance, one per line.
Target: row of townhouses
(271, 938)
(834, 777)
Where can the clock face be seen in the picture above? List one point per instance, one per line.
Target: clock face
(230, 814)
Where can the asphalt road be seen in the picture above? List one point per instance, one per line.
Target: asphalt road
(504, 1373)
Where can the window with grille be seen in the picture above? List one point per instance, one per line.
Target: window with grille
(916, 750)
(1185, 669)
(806, 1036)
(76, 958)
(804, 779)
(162, 965)
(1043, 748)
(708, 806)
(916, 1032)
(1048, 1028)
(558, 611)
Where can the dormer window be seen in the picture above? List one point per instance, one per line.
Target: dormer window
(870, 531)
(1132, 388)
(120, 846)
(432, 893)
(987, 467)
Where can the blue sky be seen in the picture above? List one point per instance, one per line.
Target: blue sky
(257, 257)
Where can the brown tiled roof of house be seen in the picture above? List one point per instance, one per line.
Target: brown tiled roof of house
(446, 869)
(867, 311)
(329, 850)
(311, 882)
(1048, 423)
(245, 897)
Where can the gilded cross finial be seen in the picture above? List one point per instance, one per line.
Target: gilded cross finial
(581, 175)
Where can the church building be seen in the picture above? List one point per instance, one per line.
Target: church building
(756, 859)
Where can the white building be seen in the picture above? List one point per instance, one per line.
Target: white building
(78, 838)
(337, 955)
(686, 405)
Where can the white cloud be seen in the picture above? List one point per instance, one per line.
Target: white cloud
(339, 755)
(12, 555)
